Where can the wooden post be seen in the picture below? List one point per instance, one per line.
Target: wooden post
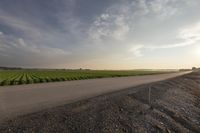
(149, 95)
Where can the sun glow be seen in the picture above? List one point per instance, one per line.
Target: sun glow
(197, 51)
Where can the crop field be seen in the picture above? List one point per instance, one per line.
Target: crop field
(16, 77)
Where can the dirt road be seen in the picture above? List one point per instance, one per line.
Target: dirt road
(22, 99)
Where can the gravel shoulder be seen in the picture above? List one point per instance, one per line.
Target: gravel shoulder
(174, 107)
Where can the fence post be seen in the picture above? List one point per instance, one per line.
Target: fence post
(149, 97)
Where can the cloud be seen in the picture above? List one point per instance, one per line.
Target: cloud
(109, 26)
(62, 32)
(22, 43)
(120, 20)
(189, 35)
(20, 52)
(130, 23)
(191, 32)
(136, 49)
(57, 29)
(31, 41)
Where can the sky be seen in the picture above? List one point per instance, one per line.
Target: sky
(100, 34)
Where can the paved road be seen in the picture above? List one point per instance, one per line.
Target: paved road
(22, 99)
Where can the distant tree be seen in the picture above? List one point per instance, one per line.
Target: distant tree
(194, 68)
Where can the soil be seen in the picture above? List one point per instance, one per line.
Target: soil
(174, 106)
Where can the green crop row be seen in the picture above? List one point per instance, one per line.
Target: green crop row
(15, 77)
